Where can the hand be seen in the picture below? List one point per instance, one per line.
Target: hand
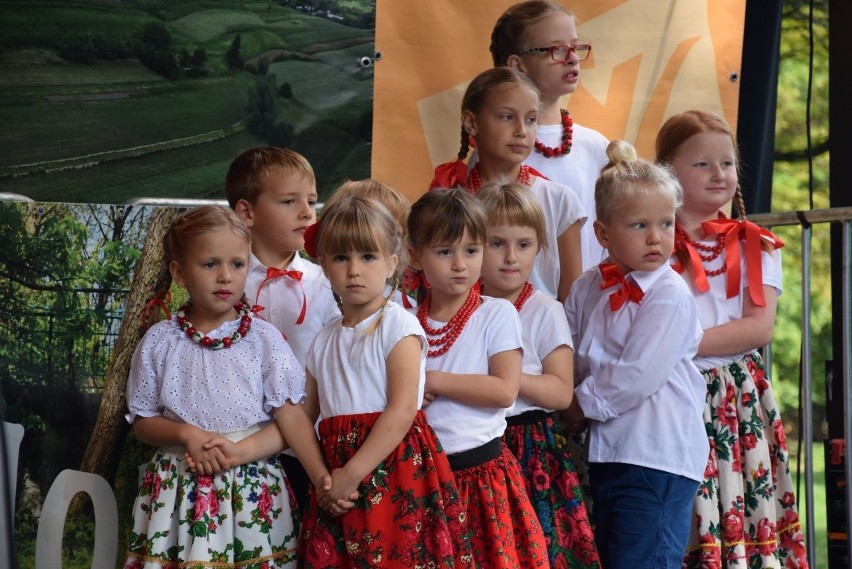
(339, 507)
(341, 490)
(205, 462)
(427, 399)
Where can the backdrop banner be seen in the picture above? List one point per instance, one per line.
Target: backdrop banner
(649, 60)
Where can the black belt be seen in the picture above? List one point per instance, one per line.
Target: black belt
(476, 456)
(528, 417)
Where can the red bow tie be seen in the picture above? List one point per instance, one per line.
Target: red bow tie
(273, 273)
(612, 276)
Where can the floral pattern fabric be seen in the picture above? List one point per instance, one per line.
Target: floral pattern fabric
(408, 513)
(550, 479)
(241, 518)
(745, 510)
(505, 532)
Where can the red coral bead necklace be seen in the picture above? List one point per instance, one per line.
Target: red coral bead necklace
(567, 138)
(449, 333)
(215, 343)
(712, 251)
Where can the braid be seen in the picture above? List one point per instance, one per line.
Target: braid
(465, 144)
(739, 202)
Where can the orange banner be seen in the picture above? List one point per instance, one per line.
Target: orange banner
(650, 60)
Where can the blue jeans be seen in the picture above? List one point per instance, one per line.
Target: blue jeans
(642, 515)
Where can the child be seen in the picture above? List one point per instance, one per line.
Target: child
(515, 236)
(473, 370)
(636, 329)
(396, 204)
(745, 509)
(499, 111)
(539, 38)
(213, 369)
(365, 376)
(273, 190)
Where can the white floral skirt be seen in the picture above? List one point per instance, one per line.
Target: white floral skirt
(745, 510)
(241, 518)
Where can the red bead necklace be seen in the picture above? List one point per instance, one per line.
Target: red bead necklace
(448, 333)
(526, 292)
(713, 251)
(567, 137)
(215, 343)
(474, 180)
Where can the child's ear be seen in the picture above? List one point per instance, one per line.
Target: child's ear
(469, 122)
(515, 62)
(393, 261)
(414, 259)
(177, 273)
(245, 212)
(601, 234)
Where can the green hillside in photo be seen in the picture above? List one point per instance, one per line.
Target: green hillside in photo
(94, 112)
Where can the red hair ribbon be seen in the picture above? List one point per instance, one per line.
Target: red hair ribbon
(611, 275)
(699, 275)
(161, 299)
(450, 175)
(734, 230)
(273, 273)
(311, 239)
(412, 280)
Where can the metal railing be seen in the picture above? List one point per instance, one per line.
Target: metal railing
(806, 219)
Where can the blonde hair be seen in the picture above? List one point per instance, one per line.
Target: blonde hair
(395, 202)
(480, 89)
(626, 178)
(248, 171)
(513, 203)
(509, 31)
(197, 221)
(681, 127)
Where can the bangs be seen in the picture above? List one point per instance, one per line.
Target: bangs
(354, 230)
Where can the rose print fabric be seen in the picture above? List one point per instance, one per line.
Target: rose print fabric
(240, 518)
(408, 513)
(745, 510)
(505, 532)
(550, 479)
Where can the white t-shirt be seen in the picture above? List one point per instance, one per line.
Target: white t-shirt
(220, 391)
(579, 170)
(714, 306)
(283, 298)
(561, 210)
(350, 364)
(494, 327)
(635, 376)
(544, 328)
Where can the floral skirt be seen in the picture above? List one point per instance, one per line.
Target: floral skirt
(240, 518)
(505, 532)
(408, 513)
(551, 482)
(745, 510)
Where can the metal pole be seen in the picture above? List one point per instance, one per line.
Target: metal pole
(846, 334)
(807, 399)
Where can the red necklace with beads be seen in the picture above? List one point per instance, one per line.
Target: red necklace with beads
(526, 292)
(215, 343)
(474, 180)
(449, 333)
(712, 251)
(567, 137)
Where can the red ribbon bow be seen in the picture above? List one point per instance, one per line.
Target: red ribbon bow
(273, 273)
(160, 300)
(732, 232)
(450, 175)
(412, 280)
(611, 275)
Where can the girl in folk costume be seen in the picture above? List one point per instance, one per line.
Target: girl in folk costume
(515, 236)
(539, 38)
(500, 110)
(745, 510)
(636, 329)
(473, 371)
(365, 376)
(212, 370)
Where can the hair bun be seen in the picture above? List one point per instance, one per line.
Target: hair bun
(620, 151)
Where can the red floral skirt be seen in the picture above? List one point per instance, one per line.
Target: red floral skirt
(550, 479)
(408, 513)
(505, 530)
